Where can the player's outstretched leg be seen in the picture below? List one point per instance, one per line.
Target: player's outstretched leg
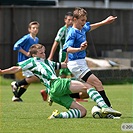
(96, 97)
(72, 113)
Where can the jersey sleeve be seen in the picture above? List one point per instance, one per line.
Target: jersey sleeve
(26, 64)
(18, 45)
(87, 26)
(52, 63)
(59, 35)
(55, 65)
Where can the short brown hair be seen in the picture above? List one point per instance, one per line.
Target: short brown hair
(68, 14)
(33, 49)
(78, 12)
(33, 23)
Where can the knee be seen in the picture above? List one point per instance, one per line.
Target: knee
(83, 112)
(98, 85)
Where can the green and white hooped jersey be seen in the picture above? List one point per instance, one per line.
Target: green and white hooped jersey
(42, 68)
(60, 38)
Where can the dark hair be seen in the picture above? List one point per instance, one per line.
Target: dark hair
(68, 14)
(33, 23)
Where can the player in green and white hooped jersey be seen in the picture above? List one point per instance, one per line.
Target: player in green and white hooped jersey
(58, 88)
(59, 42)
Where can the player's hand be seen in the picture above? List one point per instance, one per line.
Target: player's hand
(109, 20)
(63, 65)
(50, 58)
(84, 45)
(28, 54)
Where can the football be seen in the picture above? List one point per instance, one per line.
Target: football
(96, 112)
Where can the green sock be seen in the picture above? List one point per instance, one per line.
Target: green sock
(96, 97)
(72, 113)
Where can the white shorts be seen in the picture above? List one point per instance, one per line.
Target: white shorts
(78, 68)
(27, 73)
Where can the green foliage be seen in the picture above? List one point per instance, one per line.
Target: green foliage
(31, 115)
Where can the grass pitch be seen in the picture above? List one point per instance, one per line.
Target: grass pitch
(31, 115)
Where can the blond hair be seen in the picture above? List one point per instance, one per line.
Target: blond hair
(78, 12)
(33, 49)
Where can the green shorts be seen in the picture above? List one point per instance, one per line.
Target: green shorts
(59, 92)
(64, 71)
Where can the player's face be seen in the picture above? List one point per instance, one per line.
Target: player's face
(41, 53)
(34, 30)
(69, 21)
(80, 22)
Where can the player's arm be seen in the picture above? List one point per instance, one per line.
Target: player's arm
(108, 20)
(19, 44)
(83, 46)
(73, 50)
(66, 60)
(10, 70)
(53, 49)
(24, 52)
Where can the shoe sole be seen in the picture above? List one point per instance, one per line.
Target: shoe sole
(112, 113)
(17, 100)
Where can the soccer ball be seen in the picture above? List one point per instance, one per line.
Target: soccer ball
(96, 112)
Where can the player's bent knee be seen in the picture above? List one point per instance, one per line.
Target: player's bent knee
(83, 112)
